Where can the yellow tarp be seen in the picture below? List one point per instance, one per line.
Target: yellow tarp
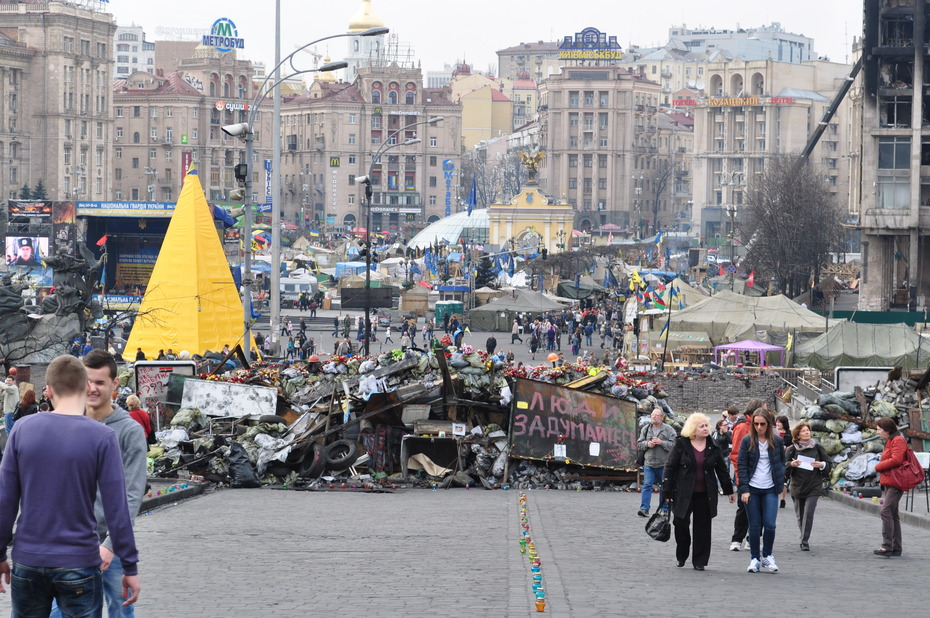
(191, 302)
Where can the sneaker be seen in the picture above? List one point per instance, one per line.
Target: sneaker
(753, 566)
(805, 547)
(746, 545)
(734, 546)
(768, 563)
(643, 513)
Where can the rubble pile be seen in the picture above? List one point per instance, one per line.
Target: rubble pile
(342, 423)
(847, 433)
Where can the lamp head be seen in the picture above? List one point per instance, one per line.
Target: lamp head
(363, 179)
(435, 119)
(411, 142)
(375, 31)
(239, 129)
(333, 66)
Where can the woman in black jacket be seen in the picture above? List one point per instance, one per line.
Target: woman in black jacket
(804, 478)
(691, 487)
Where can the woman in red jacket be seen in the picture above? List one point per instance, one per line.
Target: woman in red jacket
(892, 457)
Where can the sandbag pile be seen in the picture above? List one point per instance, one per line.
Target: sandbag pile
(854, 447)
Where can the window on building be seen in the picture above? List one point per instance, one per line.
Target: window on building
(351, 138)
(588, 160)
(118, 173)
(432, 161)
(351, 159)
(135, 163)
(432, 181)
(136, 111)
(573, 119)
(353, 118)
(136, 138)
(602, 183)
(572, 160)
(572, 183)
(433, 142)
(894, 153)
(432, 200)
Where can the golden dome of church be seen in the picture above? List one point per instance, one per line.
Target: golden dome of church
(365, 19)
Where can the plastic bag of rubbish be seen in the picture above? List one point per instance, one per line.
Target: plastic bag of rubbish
(188, 417)
(506, 395)
(817, 424)
(862, 466)
(619, 390)
(875, 446)
(329, 368)
(242, 473)
(474, 360)
(851, 435)
(836, 425)
(639, 392)
(815, 412)
(841, 456)
(458, 361)
(850, 407)
(663, 405)
(170, 438)
(498, 468)
(838, 472)
(368, 366)
(483, 459)
(834, 408)
(831, 444)
(883, 409)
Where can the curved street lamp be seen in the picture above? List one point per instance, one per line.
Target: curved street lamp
(366, 180)
(245, 130)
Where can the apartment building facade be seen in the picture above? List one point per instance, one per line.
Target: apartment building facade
(56, 125)
(331, 136)
(164, 122)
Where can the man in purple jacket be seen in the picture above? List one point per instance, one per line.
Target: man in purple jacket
(52, 468)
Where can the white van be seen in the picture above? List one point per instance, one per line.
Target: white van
(292, 288)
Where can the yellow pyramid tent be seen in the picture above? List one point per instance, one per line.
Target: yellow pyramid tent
(191, 302)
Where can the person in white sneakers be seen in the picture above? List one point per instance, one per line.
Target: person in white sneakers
(761, 479)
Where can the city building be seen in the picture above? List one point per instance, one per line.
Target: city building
(166, 121)
(749, 112)
(599, 128)
(332, 134)
(540, 60)
(56, 63)
(132, 52)
(769, 42)
(890, 192)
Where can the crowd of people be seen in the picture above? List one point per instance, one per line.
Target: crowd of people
(756, 460)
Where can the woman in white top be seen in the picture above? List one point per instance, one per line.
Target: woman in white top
(761, 466)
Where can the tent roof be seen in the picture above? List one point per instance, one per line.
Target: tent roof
(867, 345)
(728, 317)
(520, 300)
(749, 346)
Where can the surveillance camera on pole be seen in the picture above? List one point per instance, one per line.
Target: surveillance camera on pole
(362, 179)
(239, 129)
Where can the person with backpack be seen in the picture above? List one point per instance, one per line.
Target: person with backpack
(804, 478)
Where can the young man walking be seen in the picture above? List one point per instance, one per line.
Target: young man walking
(56, 463)
(101, 383)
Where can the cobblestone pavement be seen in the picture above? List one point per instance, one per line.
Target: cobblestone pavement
(265, 552)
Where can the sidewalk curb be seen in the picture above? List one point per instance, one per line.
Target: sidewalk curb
(862, 504)
(167, 497)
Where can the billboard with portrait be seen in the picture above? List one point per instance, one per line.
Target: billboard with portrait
(24, 255)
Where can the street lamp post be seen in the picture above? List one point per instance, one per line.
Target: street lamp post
(637, 202)
(731, 211)
(366, 180)
(245, 130)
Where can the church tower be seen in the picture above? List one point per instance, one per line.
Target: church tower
(364, 51)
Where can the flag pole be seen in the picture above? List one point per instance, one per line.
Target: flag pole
(668, 324)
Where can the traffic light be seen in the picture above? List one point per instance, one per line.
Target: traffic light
(545, 253)
(241, 171)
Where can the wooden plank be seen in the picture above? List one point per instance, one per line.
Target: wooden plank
(588, 381)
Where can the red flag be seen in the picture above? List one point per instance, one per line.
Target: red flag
(751, 280)
(102, 241)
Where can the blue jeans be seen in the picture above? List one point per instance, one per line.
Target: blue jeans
(761, 512)
(651, 476)
(112, 592)
(78, 591)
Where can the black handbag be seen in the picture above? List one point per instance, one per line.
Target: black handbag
(659, 526)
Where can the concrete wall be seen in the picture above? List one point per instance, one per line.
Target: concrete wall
(716, 392)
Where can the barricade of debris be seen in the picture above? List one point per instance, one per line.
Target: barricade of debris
(843, 423)
(411, 418)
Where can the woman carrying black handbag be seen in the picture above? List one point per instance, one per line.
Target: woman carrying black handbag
(691, 487)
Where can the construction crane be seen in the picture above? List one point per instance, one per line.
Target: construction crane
(831, 110)
(316, 56)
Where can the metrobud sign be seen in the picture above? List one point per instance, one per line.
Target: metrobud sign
(232, 107)
(224, 36)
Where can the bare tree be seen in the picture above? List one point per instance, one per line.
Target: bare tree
(791, 221)
(658, 180)
(512, 173)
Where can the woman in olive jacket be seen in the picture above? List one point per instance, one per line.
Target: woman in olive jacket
(691, 487)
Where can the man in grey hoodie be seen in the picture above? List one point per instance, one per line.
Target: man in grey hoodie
(101, 383)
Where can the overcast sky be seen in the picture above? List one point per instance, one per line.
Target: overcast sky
(442, 32)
